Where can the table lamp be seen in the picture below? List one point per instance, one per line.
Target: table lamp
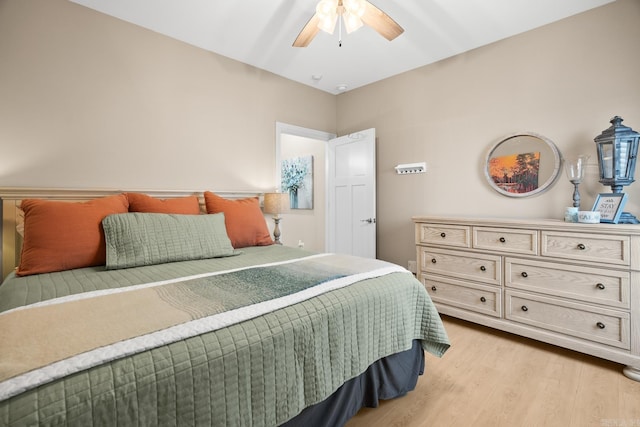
(275, 204)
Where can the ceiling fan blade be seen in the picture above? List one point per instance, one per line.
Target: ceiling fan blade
(308, 32)
(381, 22)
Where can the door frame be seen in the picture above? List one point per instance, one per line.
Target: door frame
(325, 137)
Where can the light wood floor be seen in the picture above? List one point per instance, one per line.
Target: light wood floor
(491, 378)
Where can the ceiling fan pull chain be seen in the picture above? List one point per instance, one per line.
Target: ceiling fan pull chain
(339, 31)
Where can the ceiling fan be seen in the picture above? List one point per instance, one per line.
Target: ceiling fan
(354, 13)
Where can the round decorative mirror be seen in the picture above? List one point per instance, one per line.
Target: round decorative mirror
(522, 165)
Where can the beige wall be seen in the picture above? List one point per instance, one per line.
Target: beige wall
(564, 81)
(87, 100)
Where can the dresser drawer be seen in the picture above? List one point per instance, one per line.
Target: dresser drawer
(592, 285)
(591, 323)
(445, 235)
(506, 240)
(586, 247)
(465, 295)
(462, 265)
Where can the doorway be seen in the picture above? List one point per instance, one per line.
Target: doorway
(343, 216)
(307, 225)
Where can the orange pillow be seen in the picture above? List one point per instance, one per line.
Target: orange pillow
(64, 235)
(139, 202)
(243, 218)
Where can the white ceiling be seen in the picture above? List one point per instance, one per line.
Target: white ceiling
(260, 32)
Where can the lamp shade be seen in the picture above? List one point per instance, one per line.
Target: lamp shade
(276, 203)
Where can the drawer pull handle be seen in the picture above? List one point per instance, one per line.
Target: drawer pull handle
(525, 308)
(433, 288)
(443, 234)
(483, 299)
(483, 268)
(600, 325)
(502, 240)
(600, 286)
(524, 274)
(581, 246)
(433, 261)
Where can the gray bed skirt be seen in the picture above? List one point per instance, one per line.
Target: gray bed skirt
(390, 377)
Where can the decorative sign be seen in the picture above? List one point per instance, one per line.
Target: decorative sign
(610, 206)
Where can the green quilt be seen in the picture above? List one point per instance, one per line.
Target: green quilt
(259, 371)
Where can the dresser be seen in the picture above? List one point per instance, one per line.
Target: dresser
(572, 285)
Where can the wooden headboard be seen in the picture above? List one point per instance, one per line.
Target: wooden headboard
(12, 214)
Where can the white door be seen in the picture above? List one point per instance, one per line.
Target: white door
(351, 194)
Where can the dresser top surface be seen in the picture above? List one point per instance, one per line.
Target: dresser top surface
(538, 223)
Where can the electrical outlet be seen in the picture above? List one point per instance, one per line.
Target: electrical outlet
(300, 244)
(412, 266)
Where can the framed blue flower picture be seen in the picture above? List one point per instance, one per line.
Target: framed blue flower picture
(297, 180)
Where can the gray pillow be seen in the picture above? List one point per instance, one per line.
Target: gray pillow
(135, 239)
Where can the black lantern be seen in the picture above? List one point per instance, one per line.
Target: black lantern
(617, 151)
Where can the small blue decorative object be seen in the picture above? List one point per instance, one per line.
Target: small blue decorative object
(571, 214)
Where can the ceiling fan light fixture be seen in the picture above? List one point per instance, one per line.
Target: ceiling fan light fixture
(355, 14)
(351, 22)
(355, 7)
(328, 24)
(351, 11)
(327, 13)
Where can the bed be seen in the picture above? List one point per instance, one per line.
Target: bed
(181, 311)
